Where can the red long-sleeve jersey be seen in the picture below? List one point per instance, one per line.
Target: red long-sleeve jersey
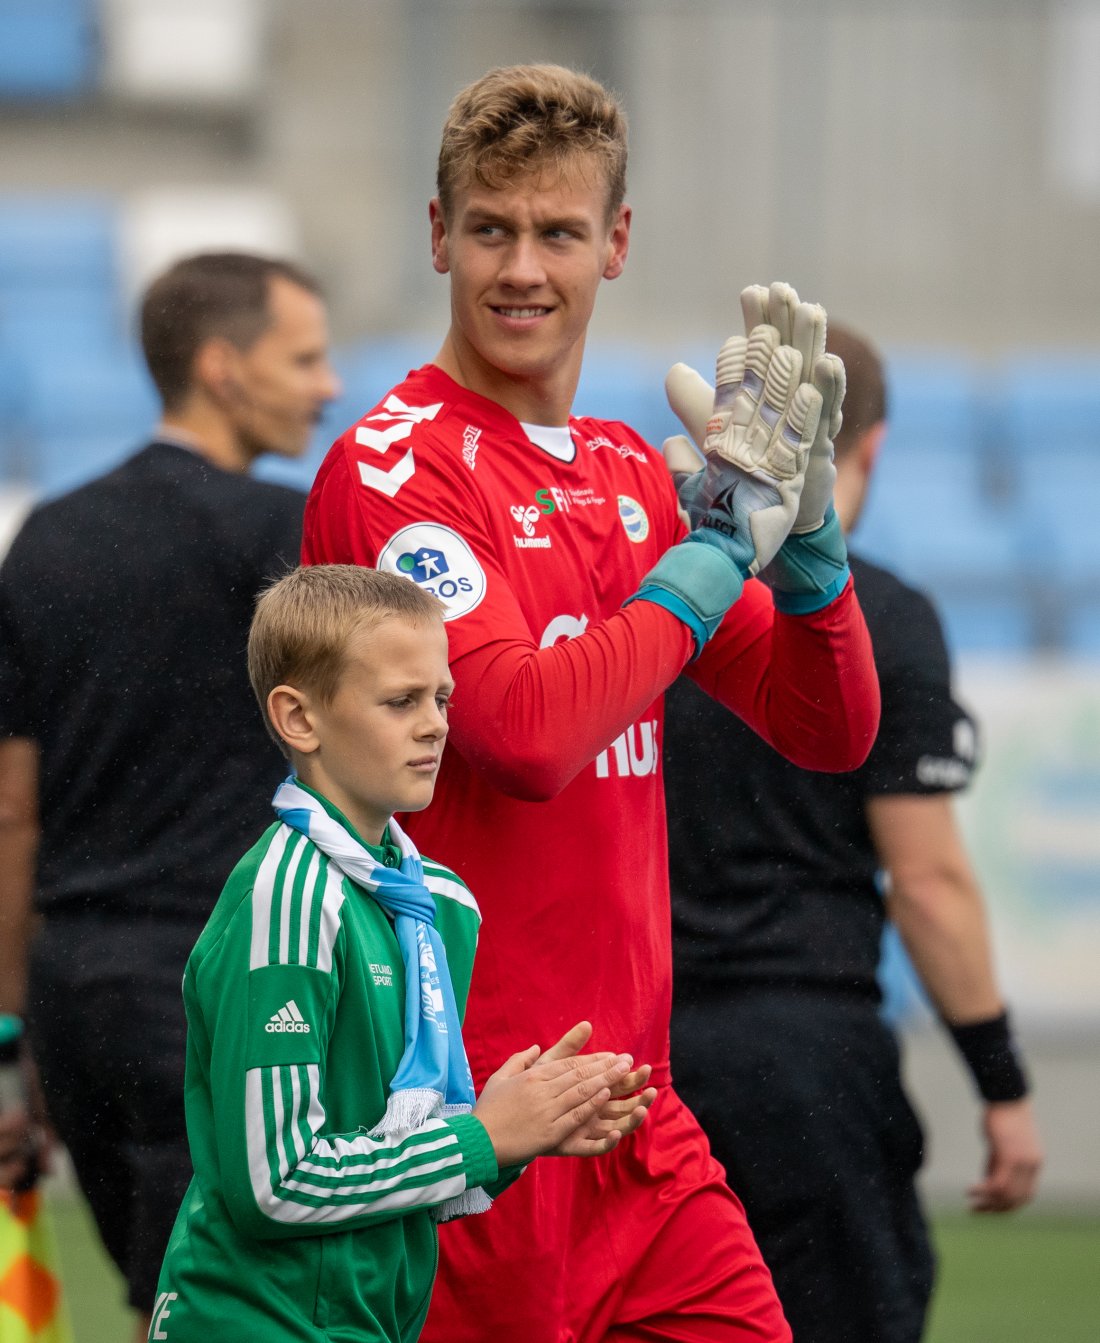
(550, 798)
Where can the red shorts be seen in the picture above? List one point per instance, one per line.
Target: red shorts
(647, 1243)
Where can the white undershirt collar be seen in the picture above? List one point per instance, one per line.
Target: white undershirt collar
(555, 439)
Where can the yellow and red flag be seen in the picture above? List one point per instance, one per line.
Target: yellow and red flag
(31, 1308)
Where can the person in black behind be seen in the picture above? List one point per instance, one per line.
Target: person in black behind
(777, 1040)
(133, 764)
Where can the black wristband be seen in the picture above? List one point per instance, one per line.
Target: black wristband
(990, 1053)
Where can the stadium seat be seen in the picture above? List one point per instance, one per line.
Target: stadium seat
(47, 48)
(57, 239)
(84, 414)
(46, 320)
(998, 621)
(1082, 628)
(928, 515)
(628, 383)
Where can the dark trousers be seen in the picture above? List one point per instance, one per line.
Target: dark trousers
(801, 1098)
(107, 1028)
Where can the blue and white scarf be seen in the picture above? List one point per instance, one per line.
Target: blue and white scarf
(433, 1079)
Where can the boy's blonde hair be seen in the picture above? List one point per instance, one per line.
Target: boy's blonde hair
(304, 622)
(523, 117)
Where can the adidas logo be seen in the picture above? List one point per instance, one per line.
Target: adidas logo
(288, 1020)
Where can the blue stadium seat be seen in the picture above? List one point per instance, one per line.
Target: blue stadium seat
(84, 413)
(628, 384)
(48, 48)
(368, 370)
(57, 239)
(1082, 626)
(933, 409)
(1048, 402)
(928, 516)
(993, 622)
(45, 320)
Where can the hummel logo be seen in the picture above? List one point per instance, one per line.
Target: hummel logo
(289, 1020)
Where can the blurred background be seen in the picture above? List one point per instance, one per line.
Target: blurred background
(931, 174)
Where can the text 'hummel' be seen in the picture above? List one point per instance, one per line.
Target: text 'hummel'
(288, 1020)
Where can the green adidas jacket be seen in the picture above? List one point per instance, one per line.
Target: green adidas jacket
(297, 1224)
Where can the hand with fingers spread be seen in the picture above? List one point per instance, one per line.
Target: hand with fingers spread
(557, 1103)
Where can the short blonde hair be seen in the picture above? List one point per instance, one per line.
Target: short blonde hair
(520, 117)
(304, 622)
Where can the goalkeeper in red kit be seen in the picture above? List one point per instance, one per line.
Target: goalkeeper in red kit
(575, 594)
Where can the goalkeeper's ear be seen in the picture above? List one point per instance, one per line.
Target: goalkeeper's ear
(692, 400)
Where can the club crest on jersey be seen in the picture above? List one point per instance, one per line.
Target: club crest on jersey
(633, 517)
(395, 422)
(440, 561)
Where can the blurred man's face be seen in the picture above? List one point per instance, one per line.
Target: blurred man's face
(277, 389)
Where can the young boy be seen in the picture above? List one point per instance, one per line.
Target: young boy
(330, 1107)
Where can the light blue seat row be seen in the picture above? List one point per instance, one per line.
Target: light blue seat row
(973, 459)
(57, 240)
(47, 48)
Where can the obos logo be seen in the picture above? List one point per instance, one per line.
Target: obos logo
(633, 517)
(440, 561)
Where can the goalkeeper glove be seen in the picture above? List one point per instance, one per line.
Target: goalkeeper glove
(755, 440)
(742, 501)
(803, 325)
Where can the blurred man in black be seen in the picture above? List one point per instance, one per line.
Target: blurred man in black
(779, 909)
(133, 764)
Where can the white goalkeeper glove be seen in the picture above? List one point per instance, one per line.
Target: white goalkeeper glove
(755, 432)
(803, 325)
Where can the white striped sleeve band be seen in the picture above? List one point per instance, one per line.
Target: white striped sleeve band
(300, 1178)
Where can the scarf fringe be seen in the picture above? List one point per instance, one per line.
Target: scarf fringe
(467, 1204)
(408, 1109)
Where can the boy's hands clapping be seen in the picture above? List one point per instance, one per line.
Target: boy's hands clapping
(561, 1102)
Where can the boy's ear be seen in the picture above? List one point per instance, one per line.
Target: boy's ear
(292, 718)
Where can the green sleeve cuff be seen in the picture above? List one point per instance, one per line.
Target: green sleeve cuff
(478, 1156)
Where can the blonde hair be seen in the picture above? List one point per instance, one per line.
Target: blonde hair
(304, 622)
(520, 117)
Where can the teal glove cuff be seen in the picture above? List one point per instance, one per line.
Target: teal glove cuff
(697, 583)
(811, 569)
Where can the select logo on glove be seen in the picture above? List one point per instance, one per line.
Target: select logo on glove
(288, 1021)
